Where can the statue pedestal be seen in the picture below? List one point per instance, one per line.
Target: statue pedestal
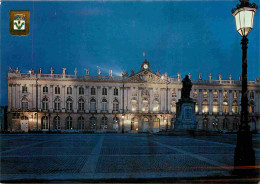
(186, 120)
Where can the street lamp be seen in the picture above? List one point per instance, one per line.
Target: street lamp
(244, 152)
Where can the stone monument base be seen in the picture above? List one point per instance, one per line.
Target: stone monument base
(186, 120)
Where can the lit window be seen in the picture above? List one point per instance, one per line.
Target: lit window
(156, 106)
(205, 107)
(215, 94)
(235, 95)
(225, 94)
(215, 106)
(225, 107)
(173, 106)
(195, 94)
(205, 94)
(235, 107)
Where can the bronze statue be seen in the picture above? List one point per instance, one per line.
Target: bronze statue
(186, 87)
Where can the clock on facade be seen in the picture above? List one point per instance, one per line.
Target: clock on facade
(145, 66)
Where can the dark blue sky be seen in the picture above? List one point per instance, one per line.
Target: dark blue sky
(187, 37)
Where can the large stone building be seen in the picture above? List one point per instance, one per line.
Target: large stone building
(139, 102)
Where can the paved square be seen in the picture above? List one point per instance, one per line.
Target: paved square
(104, 156)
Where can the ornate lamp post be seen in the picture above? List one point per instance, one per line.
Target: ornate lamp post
(244, 152)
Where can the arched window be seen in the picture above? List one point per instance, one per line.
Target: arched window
(81, 91)
(215, 107)
(45, 103)
(45, 124)
(116, 123)
(156, 106)
(104, 91)
(116, 92)
(251, 108)
(145, 105)
(93, 91)
(173, 106)
(235, 107)
(69, 90)
(225, 107)
(205, 107)
(92, 104)
(93, 123)
(195, 93)
(104, 122)
(104, 105)
(24, 103)
(205, 93)
(235, 123)
(56, 122)
(69, 104)
(57, 103)
(81, 104)
(196, 107)
(80, 123)
(134, 104)
(69, 123)
(115, 105)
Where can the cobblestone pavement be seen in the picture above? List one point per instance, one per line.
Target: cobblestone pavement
(103, 156)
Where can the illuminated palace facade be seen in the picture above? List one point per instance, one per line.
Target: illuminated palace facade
(135, 102)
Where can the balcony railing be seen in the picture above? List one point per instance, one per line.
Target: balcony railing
(120, 78)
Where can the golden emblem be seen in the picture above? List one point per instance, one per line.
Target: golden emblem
(19, 22)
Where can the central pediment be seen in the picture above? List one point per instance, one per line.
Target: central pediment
(146, 77)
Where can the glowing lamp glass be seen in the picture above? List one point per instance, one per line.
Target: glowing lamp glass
(244, 18)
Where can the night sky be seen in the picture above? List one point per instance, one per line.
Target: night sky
(177, 36)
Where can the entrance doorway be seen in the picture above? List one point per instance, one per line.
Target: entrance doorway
(145, 125)
(156, 125)
(24, 123)
(134, 125)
